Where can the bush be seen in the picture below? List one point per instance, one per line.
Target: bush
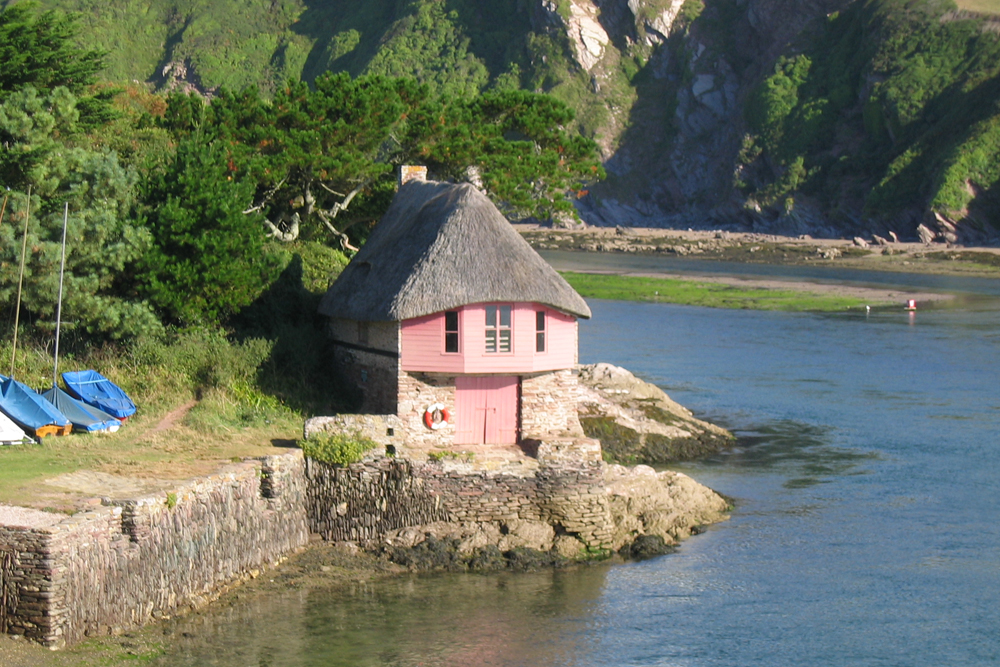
(337, 448)
(205, 358)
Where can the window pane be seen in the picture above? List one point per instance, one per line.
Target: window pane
(505, 316)
(491, 316)
(505, 340)
(540, 320)
(451, 321)
(491, 340)
(540, 341)
(451, 342)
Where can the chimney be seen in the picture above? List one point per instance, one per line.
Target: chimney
(409, 172)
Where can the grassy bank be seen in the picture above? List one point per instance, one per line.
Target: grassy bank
(204, 400)
(713, 295)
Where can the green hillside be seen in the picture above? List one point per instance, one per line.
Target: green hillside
(878, 115)
(892, 106)
(454, 46)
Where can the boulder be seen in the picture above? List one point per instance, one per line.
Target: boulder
(668, 504)
(926, 235)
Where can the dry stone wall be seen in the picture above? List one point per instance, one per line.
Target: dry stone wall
(134, 560)
(138, 559)
(365, 500)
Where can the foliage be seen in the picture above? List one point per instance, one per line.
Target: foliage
(517, 143)
(103, 242)
(337, 448)
(430, 46)
(322, 159)
(921, 91)
(208, 258)
(39, 51)
(203, 358)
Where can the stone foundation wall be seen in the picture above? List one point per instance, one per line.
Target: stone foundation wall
(416, 392)
(134, 560)
(363, 501)
(372, 375)
(549, 404)
(367, 354)
(386, 430)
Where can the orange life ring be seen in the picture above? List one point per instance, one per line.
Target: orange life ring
(442, 414)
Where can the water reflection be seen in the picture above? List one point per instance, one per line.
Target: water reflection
(448, 619)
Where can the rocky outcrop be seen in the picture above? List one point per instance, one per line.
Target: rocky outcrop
(640, 504)
(666, 504)
(637, 422)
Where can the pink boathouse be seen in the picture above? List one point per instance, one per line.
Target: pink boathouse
(453, 328)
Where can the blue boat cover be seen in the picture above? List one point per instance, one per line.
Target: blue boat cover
(94, 389)
(84, 417)
(26, 407)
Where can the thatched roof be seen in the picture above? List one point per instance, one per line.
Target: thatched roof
(438, 247)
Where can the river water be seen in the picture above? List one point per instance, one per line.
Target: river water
(867, 527)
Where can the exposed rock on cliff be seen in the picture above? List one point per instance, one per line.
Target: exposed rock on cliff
(637, 422)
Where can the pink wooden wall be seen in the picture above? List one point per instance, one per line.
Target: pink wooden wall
(422, 343)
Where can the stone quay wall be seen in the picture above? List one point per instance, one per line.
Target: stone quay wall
(363, 501)
(133, 560)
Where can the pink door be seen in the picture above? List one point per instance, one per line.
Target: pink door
(486, 410)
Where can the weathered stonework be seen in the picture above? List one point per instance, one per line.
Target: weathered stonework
(386, 430)
(134, 560)
(364, 501)
(367, 354)
(548, 410)
(417, 391)
(549, 404)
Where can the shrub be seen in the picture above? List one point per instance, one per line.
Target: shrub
(337, 448)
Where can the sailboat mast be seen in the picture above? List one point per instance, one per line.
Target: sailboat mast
(62, 271)
(20, 281)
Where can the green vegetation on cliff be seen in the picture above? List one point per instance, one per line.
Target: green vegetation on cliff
(892, 106)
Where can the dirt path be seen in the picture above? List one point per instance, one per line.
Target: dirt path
(173, 417)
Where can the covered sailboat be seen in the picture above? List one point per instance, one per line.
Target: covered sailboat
(30, 411)
(10, 433)
(83, 417)
(94, 389)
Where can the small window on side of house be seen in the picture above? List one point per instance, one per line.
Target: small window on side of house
(362, 333)
(451, 331)
(540, 331)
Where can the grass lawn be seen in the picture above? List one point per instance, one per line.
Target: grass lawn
(714, 295)
(201, 441)
(981, 6)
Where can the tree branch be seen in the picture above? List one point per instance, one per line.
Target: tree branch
(327, 216)
(267, 198)
(276, 233)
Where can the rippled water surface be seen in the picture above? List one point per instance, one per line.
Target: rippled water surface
(867, 532)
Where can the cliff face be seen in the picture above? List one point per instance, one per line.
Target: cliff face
(672, 153)
(821, 117)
